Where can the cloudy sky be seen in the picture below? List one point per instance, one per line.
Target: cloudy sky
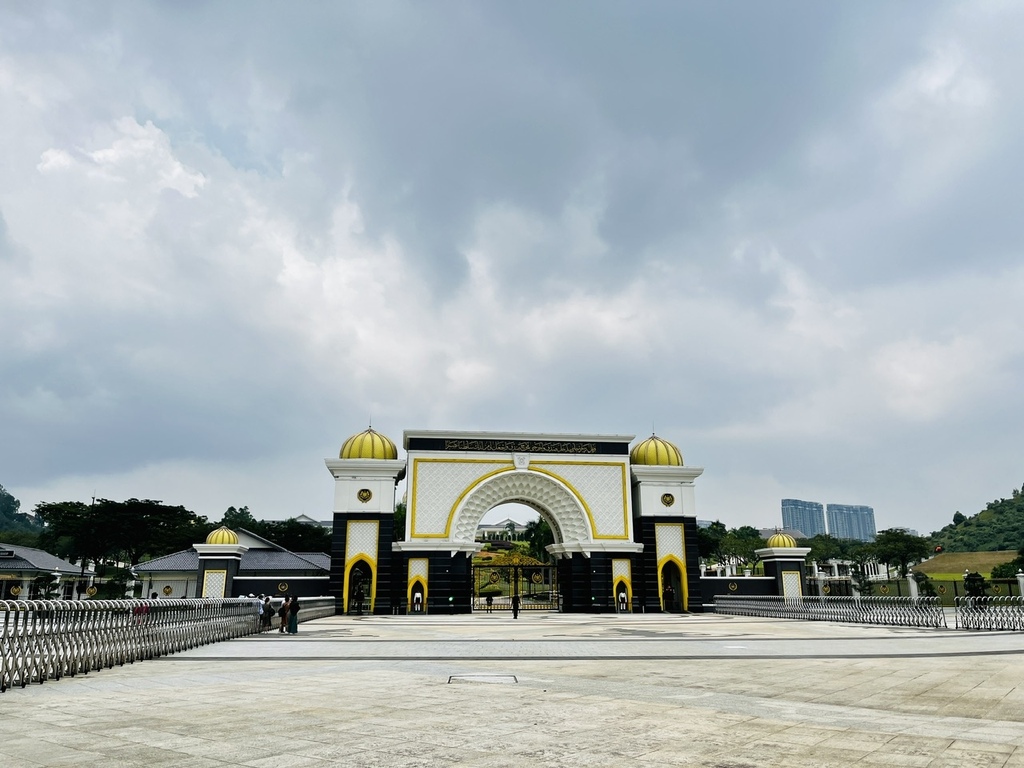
(785, 236)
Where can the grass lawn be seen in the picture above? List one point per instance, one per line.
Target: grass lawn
(951, 565)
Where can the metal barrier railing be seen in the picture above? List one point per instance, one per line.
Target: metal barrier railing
(893, 611)
(990, 613)
(47, 639)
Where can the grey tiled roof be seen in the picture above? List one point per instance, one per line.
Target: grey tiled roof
(275, 560)
(319, 558)
(253, 561)
(30, 559)
(186, 560)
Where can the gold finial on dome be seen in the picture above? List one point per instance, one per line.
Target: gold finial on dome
(656, 452)
(368, 445)
(222, 535)
(781, 540)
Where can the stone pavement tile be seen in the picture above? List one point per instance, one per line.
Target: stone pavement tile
(899, 759)
(965, 745)
(983, 761)
(285, 761)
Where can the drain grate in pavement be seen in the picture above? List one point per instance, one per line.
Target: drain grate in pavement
(501, 679)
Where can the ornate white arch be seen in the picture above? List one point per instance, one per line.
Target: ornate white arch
(561, 507)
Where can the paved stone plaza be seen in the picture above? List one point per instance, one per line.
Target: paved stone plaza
(546, 690)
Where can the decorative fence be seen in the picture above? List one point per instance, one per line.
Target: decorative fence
(894, 611)
(990, 613)
(47, 639)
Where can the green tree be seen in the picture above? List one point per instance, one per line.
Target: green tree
(14, 521)
(1009, 570)
(398, 533)
(896, 547)
(296, 536)
(73, 530)
(958, 517)
(824, 548)
(238, 517)
(538, 536)
(146, 528)
(739, 545)
(709, 542)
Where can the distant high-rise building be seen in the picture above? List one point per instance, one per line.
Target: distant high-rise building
(806, 516)
(850, 521)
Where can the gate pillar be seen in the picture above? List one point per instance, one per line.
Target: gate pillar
(668, 569)
(365, 475)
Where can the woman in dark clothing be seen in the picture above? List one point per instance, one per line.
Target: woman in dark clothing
(293, 616)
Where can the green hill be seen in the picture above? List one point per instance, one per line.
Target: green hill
(998, 527)
(13, 520)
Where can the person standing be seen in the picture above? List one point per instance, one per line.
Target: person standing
(515, 606)
(293, 616)
(267, 616)
(282, 613)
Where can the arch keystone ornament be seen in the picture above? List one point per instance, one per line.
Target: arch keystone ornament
(601, 501)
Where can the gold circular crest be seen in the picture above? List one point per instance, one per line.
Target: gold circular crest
(168, 589)
(15, 591)
(364, 495)
(826, 589)
(668, 499)
(91, 591)
(997, 588)
(884, 589)
(733, 586)
(282, 587)
(493, 578)
(942, 589)
(537, 578)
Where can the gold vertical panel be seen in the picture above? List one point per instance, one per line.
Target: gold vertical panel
(361, 542)
(792, 585)
(622, 574)
(214, 583)
(419, 568)
(672, 547)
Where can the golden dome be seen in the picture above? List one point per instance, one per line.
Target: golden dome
(780, 539)
(368, 445)
(222, 535)
(657, 452)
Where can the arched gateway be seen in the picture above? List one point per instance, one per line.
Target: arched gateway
(624, 521)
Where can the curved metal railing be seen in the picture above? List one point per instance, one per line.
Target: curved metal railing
(990, 613)
(47, 639)
(893, 611)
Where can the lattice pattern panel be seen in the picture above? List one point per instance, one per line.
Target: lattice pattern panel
(603, 488)
(669, 537)
(361, 539)
(620, 570)
(437, 487)
(418, 567)
(534, 488)
(214, 583)
(791, 586)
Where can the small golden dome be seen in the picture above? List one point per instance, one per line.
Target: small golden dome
(657, 452)
(368, 445)
(780, 539)
(222, 535)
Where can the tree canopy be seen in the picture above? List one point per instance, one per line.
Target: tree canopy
(900, 548)
(12, 520)
(124, 531)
